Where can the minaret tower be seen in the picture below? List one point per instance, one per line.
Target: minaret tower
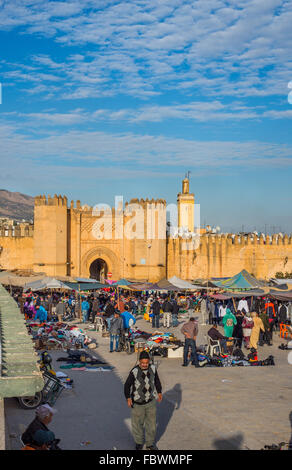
(185, 206)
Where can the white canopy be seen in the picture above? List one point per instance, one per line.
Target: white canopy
(46, 283)
(177, 282)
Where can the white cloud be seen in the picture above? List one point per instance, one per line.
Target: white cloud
(81, 148)
(149, 44)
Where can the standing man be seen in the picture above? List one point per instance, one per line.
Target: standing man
(60, 310)
(85, 310)
(115, 329)
(167, 312)
(175, 310)
(95, 308)
(141, 390)
(109, 313)
(120, 305)
(155, 307)
(190, 331)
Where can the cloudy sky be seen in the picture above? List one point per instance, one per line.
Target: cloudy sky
(105, 97)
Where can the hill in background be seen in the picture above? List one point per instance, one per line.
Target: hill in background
(16, 205)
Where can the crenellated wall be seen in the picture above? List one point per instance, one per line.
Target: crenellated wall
(66, 240)
(16, 246)
(226, 255)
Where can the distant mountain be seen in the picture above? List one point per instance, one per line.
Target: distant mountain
(16, 205)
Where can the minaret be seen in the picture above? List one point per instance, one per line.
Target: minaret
(185, 206)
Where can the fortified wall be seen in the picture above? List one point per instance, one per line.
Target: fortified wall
(16, 246)
(131, 243)
(226, 255)
(68, 240)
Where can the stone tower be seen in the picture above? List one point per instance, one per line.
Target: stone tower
(50, 235)
(185, 206)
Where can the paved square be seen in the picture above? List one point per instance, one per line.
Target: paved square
(207, 408)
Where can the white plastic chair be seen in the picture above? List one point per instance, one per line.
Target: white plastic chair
(99, 324)
(212, 348)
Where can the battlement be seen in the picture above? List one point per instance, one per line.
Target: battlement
(238, 240)
(16, 231)
(42, 200)
(250, 239)
(144, 202)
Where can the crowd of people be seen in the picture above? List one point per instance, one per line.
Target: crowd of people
(251, 321)
(248, 321)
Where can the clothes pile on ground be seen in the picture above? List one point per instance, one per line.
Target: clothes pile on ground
(158, 342)
(236, 359)
(65, 380)
(82, 360)
(58, 336)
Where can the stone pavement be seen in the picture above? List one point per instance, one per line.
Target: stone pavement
(207, 408)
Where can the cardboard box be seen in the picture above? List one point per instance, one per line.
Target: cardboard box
(173, 353)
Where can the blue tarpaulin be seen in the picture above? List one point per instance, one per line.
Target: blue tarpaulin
(242, 280)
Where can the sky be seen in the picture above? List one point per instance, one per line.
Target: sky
(104, 98)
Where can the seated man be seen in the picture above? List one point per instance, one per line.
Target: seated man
(44, 415)
(215, 335)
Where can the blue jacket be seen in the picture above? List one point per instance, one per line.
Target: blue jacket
(126, 317)
(41, 314)
(85, 305)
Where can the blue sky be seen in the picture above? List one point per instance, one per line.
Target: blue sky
(102, 98)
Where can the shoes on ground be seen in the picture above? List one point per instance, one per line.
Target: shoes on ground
(153, 447)
(184, 365)
(139, 447)
(203, 363)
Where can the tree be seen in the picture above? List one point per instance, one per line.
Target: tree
(279, 275)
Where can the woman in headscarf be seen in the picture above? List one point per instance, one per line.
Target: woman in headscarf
(31, 309)
(237, 332)
(229, 321)
(255, 332)
(247, 325)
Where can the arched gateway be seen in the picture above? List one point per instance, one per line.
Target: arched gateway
(98, 262)
(98, 270)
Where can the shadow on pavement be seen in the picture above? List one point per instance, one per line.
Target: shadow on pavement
(232, 443)
(92, 416)
(103, 415)
(171, 401)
